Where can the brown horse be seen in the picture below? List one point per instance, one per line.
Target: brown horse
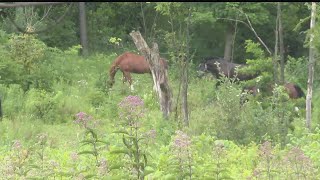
(129, 62)
(294, 91)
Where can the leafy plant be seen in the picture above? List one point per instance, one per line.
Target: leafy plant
(91, 140)
(134, 140)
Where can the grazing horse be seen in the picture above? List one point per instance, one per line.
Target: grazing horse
(131, 63)
(294, 91)
(220, 66)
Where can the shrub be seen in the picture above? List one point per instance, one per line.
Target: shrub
(42, 105)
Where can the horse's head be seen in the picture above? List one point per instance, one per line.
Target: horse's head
(202, 69)
(254, 90)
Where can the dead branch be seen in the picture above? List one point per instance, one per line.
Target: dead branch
(20, 29)
(23, 4)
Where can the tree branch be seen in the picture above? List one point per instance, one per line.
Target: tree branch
(46, 13)
(22, 4)
(256, 34)
(249, 25)
(20, 29)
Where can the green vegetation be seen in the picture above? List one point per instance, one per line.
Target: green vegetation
(60, 121)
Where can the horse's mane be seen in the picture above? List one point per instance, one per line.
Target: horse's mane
(215, 58)
(114, 69)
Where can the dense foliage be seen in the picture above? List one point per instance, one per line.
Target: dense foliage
(61, 122)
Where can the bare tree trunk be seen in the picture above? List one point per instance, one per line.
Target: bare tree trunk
(83, 29)
(234, 38)
(184, 92)
(159, 73)
(228, 43)
(310, 68)
(275, 57)
(185, 65)
(281, 45)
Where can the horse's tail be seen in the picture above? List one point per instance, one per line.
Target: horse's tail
(112, 72)
(299, 91)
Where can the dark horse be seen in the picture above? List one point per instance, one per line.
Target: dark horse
(131, 63)
(221, 67)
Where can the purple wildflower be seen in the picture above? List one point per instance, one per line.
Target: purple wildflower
(297, 156)
(131, 101)
(54, 164)
(266, 150)
(256, 173)
(17, 145)
(151, 134)
(74, 156)
(80, 177)
(82, 119)
(132, 107)
(181, 140)
(81, 115)
(103, 167)
(42, 138)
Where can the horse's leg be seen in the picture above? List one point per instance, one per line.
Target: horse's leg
(124, 78)
(129, 79)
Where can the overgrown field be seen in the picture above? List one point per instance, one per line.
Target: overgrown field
(65, 124)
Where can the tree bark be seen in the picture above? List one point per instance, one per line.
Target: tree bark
(83, 29)
(281, 45)
(184, 78)
(184, 92)
(312, 52)
(228, 43)
(275, 57)
(159, 73)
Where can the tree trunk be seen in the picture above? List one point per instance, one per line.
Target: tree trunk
(159, 73)
(184, 93)
(185, 64)
(275, 57)
(310, 68)
(228, 43)
(281, 45)
(83, 29)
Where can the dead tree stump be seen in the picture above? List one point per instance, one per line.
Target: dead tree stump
(159, 73)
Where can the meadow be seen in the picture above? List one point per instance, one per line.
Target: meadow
(69, 125)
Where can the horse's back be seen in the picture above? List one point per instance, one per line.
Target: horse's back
(294, 91)
(131, 62)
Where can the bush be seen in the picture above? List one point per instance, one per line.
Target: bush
(13, 100)
(42, 105)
